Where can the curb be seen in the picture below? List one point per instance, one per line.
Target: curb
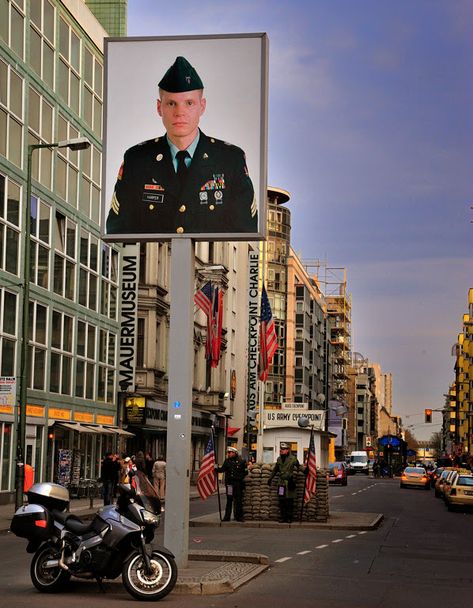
(373, 521)
(235, 570)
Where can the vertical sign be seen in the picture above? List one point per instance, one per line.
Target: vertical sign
(128, 309)
(253, 319)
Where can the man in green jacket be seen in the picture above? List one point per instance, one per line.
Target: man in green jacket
(286, 467)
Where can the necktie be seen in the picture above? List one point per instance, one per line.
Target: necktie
(181, 164)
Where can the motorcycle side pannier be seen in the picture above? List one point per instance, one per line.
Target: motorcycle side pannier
(33, 522)
(49, 495)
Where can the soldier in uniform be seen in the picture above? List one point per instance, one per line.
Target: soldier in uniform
(235, 470)
(184, 181)
(286, 467)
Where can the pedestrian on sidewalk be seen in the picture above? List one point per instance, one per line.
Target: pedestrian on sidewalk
(159, 476)
(109, 473)
(286, 467)
(235, 471)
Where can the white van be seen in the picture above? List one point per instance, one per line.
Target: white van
(358, 462)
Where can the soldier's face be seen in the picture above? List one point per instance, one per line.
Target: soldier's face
(181, 113)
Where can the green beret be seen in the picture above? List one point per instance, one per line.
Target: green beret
(181, 77)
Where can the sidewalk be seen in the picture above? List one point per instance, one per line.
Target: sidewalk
(216, 572)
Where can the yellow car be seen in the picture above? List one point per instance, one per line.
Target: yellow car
(459, 491)
(415, 477)
(445, 478)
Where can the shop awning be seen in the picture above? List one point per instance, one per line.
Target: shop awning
(98, 428)
(76, 426)
(231, 430)
(120, 431)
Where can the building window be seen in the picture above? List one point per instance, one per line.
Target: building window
(8, 332)
(42, 40)
(11, 114)
(86, 357)
(9, 224)
(12, 25)
(38, 345)
(106, 367)
(92, 92)
(88, 272)
(60, 377)
(109, 282)
(6, 444)
(40, 242)
(40, 131)
(64, 257)
(91, 182)
(68, 81)
(67, 165)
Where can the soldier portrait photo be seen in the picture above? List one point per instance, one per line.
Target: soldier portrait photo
(183, 180)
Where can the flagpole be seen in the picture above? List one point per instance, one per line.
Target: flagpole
(306, 472)
(216, 474)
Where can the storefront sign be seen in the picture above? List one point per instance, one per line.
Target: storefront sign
(128, 307)
(60, 414)
(35, 410)
(253, 272)
(290, 418)
(156, 415)
(135, 410)
(6, 409)
(83, 417)
(100, 419)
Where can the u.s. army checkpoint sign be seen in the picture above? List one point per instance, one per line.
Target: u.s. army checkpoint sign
(290, 417)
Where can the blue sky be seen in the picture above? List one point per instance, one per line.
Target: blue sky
(371, 131)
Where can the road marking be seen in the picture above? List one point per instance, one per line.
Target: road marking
(321, 546)
(353, 493)
(351, 536)
(283, 559)
(304, 552)
(362, 532)
(337, 540)
(338, 496)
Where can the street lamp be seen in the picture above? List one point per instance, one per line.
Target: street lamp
(78, 143)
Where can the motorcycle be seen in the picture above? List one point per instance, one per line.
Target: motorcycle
(116, 541)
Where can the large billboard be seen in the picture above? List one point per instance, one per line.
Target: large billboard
(211, 107)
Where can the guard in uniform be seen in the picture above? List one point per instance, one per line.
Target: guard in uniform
(235, 470)
(184, 181)
(286, 467)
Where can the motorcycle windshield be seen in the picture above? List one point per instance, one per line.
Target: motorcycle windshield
(146, 494)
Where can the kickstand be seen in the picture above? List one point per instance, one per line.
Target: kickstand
(100, 584)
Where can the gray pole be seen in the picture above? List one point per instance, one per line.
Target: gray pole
(180, 373)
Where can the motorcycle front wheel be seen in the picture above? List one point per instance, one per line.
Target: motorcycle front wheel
(153, 586)
(46, 575)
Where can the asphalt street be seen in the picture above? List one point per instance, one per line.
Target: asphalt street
(421, 555)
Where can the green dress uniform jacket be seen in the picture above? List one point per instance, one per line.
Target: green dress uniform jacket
(216, 195)
(287, 469)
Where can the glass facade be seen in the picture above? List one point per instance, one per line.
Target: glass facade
(51, 88)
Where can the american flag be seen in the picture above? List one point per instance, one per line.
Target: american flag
(217, 321)
(268, 342)
(203, 298)
(207, 480)
(311, 479)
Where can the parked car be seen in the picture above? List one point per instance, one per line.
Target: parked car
(445, 475)
(415, 477)
(337, 473)
(459, 491)
(434, 475)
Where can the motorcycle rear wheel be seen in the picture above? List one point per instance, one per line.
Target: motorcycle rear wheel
(47, 579)
(149, 587)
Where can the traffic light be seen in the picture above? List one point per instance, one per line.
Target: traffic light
(428, 415)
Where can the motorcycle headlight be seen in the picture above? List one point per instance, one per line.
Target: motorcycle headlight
(149, 518)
